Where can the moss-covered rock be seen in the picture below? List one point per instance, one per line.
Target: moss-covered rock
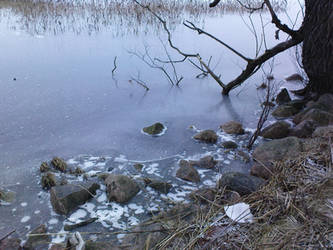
(48, 180)
(154, 129)
(44, 167)
(59, 164)
(207, 136)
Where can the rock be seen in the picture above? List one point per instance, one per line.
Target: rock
(77, 171)
(233, 127)
(66, 198)
(275, 150)
(283, 97)
(277, 130)
(187, 173)
(284, 111)
(203, 195)
(303, 129)
(208, 136)
(10, 244)
(120, 188)
(138, 166)
(59, 164)
(324, 132)
(161, 186)
(295, 77)
(48, 180)
(322, 118)
(7, 196)
(154, 129)
(38, 242)
(243, 184)
(205, 162)
(229, 145)
(44, 167)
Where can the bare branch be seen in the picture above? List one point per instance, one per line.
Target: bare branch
(279, 25)
(255, 64)
(192, 26)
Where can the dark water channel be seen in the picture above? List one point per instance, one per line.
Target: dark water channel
(58, 97)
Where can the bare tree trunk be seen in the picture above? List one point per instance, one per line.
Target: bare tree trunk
(318, 45)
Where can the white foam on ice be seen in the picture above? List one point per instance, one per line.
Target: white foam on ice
(152, 169)
(53, 221)
(121, 159)
(77, 215)
(25, 219)
(137, 209)
(24, 204)
(102, 198)
(88, 164)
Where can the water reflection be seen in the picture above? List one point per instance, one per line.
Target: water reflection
(39, 17)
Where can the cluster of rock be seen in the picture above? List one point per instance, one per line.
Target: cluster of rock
(307, 120)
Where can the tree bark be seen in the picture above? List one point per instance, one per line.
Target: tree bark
(318, 45)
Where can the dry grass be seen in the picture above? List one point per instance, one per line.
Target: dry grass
(121, 17)
(293, 211)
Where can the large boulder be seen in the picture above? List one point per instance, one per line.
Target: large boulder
(303, 130)
(38, 242)
(276, 150)
(283, 97)
(233, 127)
(66, 198)
(243, 184)
(208, 136)
(277, 130)
(120, 188)
(154, 129)
(204, 162)
(284, 111)
(187, 172)
(322, 118)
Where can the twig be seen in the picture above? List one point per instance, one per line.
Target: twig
(7, 235)
(114, 65)
(140, 82)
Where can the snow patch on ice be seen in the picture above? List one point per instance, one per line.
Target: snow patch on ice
(25, 219)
